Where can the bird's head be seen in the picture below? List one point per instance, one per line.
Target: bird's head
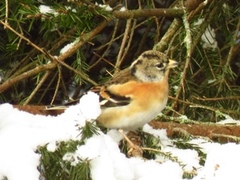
(152, 66)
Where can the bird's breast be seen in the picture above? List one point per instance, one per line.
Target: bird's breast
(147, 101)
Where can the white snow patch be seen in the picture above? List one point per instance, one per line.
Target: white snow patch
(69, 46)
(208, 37)
(104, 6)
(21, 133)
(222, 162)
(47, 10)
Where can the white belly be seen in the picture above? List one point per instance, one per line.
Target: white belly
(123, 119)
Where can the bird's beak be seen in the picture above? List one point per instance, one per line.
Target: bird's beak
(172, 63)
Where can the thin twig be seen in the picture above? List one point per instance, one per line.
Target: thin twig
(194, 105)
(57, 85)
(6, 13)
(109, 45)
(24, 38)
(218, 98)
(44, 78)
(45, 90)
(230, 53)
(129, 40)
(123, 44)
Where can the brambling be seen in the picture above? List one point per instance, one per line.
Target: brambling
(136, 95)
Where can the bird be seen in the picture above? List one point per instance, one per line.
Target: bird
(136, 95)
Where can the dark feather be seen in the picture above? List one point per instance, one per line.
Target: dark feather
(113, 100)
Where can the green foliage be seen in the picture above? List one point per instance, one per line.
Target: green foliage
(61, 25)
(210, 81)
(183, 144)
(81, 171)
(54, 166)
(88, 130)
(150, 141)
(81, 65)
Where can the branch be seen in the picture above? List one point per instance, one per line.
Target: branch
(123, 44)
(10, 82)
(87, 37)
(210, 108)
(44, 78)
(216, 132)
(164, 42)
(222, 133)
(217, 98)
(23, 37)
(132, 14)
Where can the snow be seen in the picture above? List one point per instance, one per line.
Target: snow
(21, 133)
(47, 10)
(122, 9)
(208, 37)
(69, 46)
(229, 120)
(222, 162)
(104, 6)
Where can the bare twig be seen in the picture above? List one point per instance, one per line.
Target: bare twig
(57, 85)
(231, 51)
(45, 90)
(24, 38)
(123, 44)
(218, 98)
(44, 78)
(6, 13)
(194, 105)
(133, 14)
(129, 40)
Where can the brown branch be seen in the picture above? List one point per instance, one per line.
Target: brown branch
(194, 105)
(217, 98)
(123, 45)
(85, 38)
(216, 132)
(164, 42)
(132, 14)
(10, 82)
(6, 12)
(232, 52)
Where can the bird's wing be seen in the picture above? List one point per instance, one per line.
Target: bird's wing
(109, 99)
(121, 77)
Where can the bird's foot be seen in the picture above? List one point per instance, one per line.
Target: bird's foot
(133, 144)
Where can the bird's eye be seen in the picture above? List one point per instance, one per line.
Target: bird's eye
(160, 65)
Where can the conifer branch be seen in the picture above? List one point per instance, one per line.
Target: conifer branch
(53, 64)
(133, 14)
